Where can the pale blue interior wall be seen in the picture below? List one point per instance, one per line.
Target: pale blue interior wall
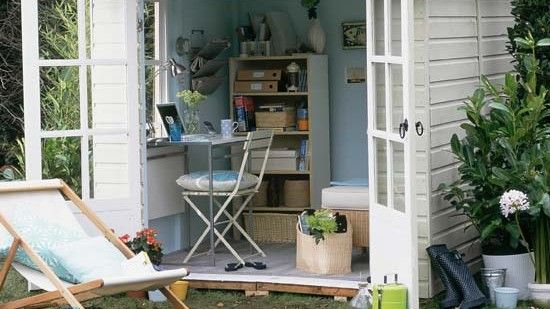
(215, 18)
(348, 108)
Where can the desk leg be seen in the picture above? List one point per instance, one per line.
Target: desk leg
(187, 207)
(211, 204)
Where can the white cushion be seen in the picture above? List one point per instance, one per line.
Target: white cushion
(346, 197)
(224, 181)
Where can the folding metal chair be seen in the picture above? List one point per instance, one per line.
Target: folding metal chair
(255, 141)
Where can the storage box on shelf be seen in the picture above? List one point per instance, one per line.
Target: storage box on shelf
(312, 146)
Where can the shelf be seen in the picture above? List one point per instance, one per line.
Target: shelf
(278, 133)
(271, 58)
(277, 209)
(284, 172)
(272, 94)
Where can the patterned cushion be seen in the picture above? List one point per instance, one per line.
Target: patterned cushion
(41, 235)
(87, 259)
(223, 181)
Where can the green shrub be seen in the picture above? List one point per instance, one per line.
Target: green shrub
(532, 17)
(502, 151)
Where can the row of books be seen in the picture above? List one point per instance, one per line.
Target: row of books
(244, 113)
(302, 80)
(303, 157)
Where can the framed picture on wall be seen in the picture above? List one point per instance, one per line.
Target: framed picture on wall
(354, 35)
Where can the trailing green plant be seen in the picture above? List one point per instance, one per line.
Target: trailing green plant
(321, 223)
(311, 6)
(501, 151)
(532, 18)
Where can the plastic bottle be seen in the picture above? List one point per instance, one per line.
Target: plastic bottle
(363, 298)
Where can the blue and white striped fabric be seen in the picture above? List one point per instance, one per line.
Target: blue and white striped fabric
(224, 181)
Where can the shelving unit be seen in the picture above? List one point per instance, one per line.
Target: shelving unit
(317, 99)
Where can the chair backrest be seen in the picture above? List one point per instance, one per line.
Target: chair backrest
(48, 205)
(256, 141)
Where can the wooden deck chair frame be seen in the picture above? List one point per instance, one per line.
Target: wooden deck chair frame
(257, 140)
(72, 295)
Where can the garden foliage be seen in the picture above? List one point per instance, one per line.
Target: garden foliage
(506, 146)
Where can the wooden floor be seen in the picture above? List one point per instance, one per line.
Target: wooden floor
(281, 274)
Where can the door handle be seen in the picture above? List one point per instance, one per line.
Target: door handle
(419, 127)
(403, 128)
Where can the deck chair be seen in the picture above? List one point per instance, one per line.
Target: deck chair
(49, 198)
(255, 141)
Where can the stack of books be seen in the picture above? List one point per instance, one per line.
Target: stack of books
(302, 80)
(244, 113)
(303, 157)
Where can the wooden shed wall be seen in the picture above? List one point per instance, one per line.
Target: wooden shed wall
(466, 39)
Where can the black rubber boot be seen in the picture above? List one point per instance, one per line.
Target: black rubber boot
(452, 293)
(460, 276)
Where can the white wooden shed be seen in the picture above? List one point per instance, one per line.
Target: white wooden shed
(423, 58)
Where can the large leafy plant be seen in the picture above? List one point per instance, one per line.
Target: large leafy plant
(501, 150)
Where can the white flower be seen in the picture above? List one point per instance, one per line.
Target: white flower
(512, 201)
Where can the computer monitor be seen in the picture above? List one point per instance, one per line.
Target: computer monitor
(170, 110)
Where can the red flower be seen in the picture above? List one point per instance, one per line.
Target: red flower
(124, 238)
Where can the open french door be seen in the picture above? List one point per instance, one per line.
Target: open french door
(390, 93)
(82, 103)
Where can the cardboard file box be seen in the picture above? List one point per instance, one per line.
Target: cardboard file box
(256, 86)
(278, 160)
(259, 75)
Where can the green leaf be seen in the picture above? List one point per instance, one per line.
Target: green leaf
(500, 106)
(455, 144)
(546, 204)
(544, 42)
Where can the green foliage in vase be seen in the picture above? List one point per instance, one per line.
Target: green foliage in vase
(532, 18)
(504, 139)
(311, 6)
(321, 223)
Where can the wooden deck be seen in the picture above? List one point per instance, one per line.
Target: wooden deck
(281, 274)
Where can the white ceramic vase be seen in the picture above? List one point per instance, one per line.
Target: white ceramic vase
(316, 36)
(520, 271)
(540, 294)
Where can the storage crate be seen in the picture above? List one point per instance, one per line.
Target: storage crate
(296, 193)
(271, 227)
(260, 198)
(282, 119)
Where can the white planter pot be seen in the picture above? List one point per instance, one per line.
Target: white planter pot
(156, 296)
(540, 294)
(520, 271)
(316, 36)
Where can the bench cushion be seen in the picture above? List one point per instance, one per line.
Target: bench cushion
(224, 181)
(346, 197)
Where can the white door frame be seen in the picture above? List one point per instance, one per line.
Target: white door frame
(32, 107)
(393, 233)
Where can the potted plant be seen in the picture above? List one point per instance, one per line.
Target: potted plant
(320, 248)
(192, 101)
(501, 151)
(145, 241)
(316, 35)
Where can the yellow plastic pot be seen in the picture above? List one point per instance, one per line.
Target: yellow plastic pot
(180, 288)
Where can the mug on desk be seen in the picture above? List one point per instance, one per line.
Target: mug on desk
(228, 126)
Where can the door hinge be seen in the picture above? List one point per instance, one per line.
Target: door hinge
(140, 25)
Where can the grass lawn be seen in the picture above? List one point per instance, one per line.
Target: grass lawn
(16, 288)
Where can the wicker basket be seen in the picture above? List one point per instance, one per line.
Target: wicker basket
(331, 256)
(359, 220)
(296, 193)
(260, 198)
(275, 119)
(271, 227)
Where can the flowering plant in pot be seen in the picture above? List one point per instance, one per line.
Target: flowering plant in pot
(145, 241)
(505, 137)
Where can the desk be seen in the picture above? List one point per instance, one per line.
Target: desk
(208, 142)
